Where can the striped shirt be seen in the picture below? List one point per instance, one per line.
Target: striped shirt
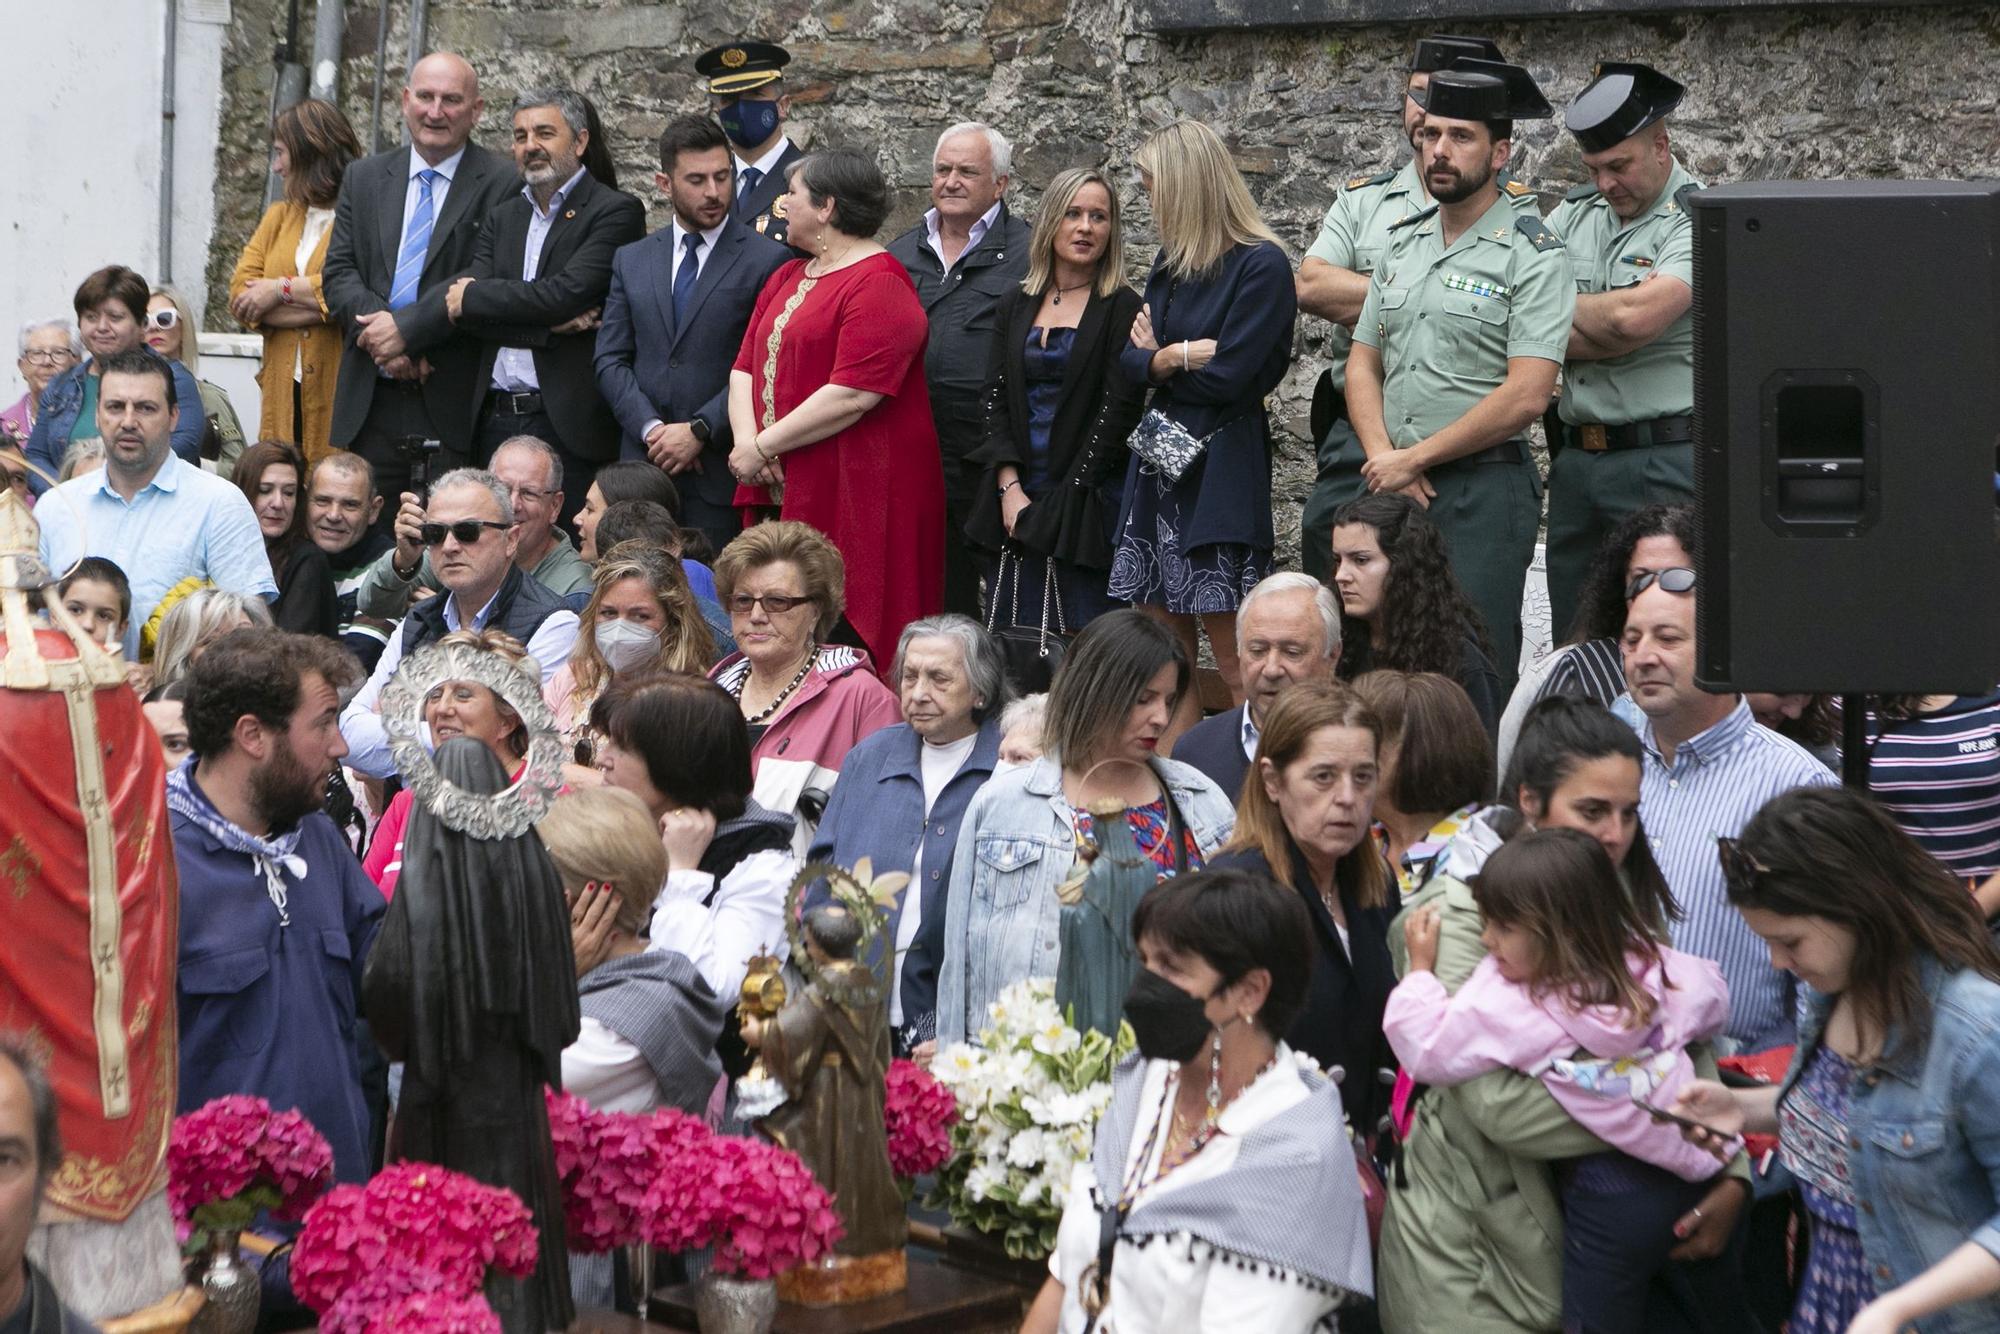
(1593, 669)
(1938, 777)
(1717, 781)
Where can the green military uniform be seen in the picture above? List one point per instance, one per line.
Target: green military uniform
(1353, 237)
(1598, 478)
(1446, 320)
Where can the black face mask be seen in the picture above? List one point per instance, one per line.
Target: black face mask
(1170, 1024)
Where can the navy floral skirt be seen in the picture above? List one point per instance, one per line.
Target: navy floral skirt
(1152, 569)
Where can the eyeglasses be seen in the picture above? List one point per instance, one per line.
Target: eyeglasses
(1674, 579)
(163, 319)
(521, 493)
(1738, 867)
(47, 356)
(775, 604)
(467, 531)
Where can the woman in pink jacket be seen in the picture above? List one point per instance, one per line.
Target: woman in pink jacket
(1577, 990)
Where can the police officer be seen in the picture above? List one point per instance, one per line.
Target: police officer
(1625, 437)
(1458, 344)
(746, 89)
(1333, 282)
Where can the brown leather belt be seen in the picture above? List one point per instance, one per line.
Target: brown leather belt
(1596, 439)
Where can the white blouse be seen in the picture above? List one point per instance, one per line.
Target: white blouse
(747, 918)
(1170, 1287)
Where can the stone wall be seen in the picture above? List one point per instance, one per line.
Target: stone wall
(1787, 93)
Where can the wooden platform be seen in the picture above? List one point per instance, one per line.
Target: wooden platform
(939, 1298)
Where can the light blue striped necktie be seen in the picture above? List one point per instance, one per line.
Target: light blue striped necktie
(416, 241)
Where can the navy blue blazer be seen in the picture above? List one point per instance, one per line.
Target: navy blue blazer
(1249, 305)
(877, 811)
(1215, 746)
(649, 370)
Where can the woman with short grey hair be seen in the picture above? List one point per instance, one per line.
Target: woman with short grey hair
(902, 792)
(48, 348)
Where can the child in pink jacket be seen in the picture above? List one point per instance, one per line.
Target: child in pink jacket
(1577, 991)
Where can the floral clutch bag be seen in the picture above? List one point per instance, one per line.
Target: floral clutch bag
(1166, 445)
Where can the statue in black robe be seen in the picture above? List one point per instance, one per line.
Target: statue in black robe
(472, 986)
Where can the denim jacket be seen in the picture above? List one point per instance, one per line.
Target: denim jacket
(63, 399)
(1015, 846)
(1924, 1138)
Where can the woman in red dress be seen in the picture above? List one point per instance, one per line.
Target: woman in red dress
(828, 406)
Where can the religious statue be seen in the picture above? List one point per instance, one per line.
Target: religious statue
(827, 1049)
(471, 983)
(1098, 957)
(90, 899)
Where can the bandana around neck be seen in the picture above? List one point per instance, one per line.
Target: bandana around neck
(272, 856)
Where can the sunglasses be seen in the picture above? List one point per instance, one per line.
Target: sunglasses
(1738, 866)
(467, 531)
(775, 604)
(164, 319)
(1674, 579)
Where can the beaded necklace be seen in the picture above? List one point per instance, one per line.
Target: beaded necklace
(782, 695)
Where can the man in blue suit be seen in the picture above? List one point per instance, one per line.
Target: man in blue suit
(679, 303)
(1287, 631)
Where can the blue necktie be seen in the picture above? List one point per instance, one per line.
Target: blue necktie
(684, 279)
(416, 240)
(750, 178)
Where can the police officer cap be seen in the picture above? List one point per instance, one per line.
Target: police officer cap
(1621, 99)
(1438, 50)
(1484, 90)
(737, 67)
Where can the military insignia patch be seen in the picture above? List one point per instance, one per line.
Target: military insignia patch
(735, 58)
(1458, 282)
(1636, 261)
(1537, 233)
(778, 207)
(1516, 189)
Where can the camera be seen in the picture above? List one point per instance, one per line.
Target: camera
(421, 454)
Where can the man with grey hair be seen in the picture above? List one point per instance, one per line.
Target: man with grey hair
(467, 532)
(1287, 631)
(967, 255)
(29, 1151)
(48, 348)
(903, 791)
(536, 287)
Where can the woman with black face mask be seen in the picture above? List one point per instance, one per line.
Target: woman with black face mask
(1221, 1195)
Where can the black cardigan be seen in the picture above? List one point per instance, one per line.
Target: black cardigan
(1098, 410)
(1341, 1020)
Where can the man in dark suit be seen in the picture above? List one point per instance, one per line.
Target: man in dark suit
(1287, 631)
(403, 229)
(746, 89)
(966, 256)
(674, 319)
(537, 284)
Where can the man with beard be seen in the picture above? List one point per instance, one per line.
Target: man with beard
(1333, 282)
(277, 916)
(156, 516)
(540, 271)
(668, 384)
(1626, 435)
(1458, 344)
(341, 508)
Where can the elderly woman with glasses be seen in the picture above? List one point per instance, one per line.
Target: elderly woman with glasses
(48, 348)
(806, 701)
(904, 791)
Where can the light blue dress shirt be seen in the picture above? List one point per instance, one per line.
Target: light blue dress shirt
(184, 523)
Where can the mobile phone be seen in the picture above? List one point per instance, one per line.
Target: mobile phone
(1662, 1114)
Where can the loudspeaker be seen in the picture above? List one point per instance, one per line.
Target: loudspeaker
(1846, 421)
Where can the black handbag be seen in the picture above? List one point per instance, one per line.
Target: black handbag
(1032, 652)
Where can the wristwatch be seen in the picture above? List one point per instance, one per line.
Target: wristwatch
(699, 429)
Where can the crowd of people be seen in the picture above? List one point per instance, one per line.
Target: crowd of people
(819, 549)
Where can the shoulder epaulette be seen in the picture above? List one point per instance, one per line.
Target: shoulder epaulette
(1516, 189)
(1380, 178)
(1414, 217)
(1540, 235)
(1681, 195)
(1584, 191)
